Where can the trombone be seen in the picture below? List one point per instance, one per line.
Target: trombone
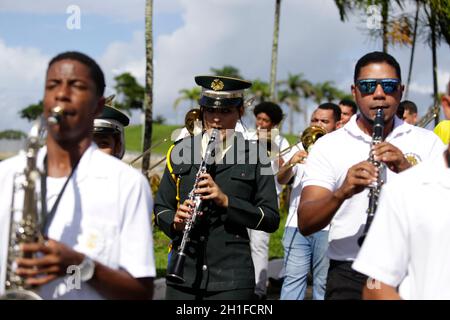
(192, 122)
(432, 113)
(308, 138)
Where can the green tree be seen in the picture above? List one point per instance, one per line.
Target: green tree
(32, 112)
(260, 90)
(147, 95)
(227, 71)
(297, 87)
(191, 95)
(346, 6)
(12, 134)
(327, 91)
(130, 93)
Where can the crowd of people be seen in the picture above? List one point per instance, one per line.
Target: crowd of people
(80, 225)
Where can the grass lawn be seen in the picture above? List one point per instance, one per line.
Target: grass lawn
(133, 137)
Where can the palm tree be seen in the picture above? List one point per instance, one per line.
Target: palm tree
(297, 87)
(227, 71)
(413, 47)
(148, 95)
(344, 6)
(191, 95)
(260, 89)
(291, 99)
(273, 69)
(327, 91)
(431, 17)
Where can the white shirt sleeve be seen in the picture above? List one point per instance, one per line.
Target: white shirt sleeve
(384, 255)
(136, 238)
(318, 169)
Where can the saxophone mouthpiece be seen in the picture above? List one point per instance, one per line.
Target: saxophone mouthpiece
(55, 115)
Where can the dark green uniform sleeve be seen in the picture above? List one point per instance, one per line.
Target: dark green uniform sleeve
(262, 213)
(166, 204)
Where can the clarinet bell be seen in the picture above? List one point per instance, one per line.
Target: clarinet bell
(175, 273)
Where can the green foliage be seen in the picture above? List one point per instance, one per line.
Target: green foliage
(130, 92)
(191, 95)
(32, 112)
(261, 90)
(12, 134)
(227, 71)
(276, 238)
(159, 120)
(161, 246)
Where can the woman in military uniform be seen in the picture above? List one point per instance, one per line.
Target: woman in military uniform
(237, 193)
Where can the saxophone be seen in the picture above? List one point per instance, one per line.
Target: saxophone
(25, 219)
(375, 188)
(175, 273)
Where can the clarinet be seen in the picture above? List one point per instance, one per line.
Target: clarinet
(175, 274)
(375, 188)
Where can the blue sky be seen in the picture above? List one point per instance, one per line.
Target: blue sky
(190, 37)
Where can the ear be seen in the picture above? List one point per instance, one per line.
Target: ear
(402, 89)
(353, 89)
(99, 108)
(445, 100)
(241, 111)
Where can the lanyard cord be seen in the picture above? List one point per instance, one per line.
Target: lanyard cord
(48, 218)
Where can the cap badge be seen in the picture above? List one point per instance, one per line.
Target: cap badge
(217, 85)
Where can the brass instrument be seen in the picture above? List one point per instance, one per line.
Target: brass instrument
(192, 122)
(26, 216)
(432, 113)
(309, 136)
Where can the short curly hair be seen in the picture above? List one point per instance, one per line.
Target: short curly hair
(271, 109)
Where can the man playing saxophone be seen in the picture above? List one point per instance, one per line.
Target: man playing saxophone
(96, 224)
(337, 172)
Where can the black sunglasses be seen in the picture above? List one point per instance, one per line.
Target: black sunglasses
(368, 86)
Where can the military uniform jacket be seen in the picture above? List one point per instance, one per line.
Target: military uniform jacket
(218, 254)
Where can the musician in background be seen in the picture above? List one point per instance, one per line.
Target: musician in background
(97, 218)
(268, 118)
(237, 193)
(337, 172)
(443, 128)
(109, 131)
(409, 112)
(348, 109)
(407, 245)
(304, 254)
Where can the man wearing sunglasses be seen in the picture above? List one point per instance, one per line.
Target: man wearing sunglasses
(337, 173)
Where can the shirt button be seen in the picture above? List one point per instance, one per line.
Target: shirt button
(205, 267)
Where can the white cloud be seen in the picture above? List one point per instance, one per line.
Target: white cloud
(21, 83)
(122, 57)
(214, 33)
